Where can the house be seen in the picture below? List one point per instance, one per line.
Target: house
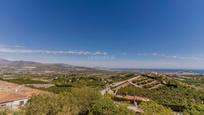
(12, 100)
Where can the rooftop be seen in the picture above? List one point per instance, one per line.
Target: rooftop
(8, 97)
(131, 98)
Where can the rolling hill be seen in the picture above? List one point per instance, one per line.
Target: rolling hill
(36, 67)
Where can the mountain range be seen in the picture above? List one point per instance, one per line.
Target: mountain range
(36, 67)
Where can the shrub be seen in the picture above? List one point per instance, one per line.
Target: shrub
(105, 106)
(152, 108)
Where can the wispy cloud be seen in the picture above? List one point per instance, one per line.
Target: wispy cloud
(21, 49)
(105, 57)
(11, 46)
(200, 57)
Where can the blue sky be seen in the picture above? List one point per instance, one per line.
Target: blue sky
(107, 33)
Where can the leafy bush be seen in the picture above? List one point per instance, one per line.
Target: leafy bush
(197, 109)
(152, 108)
(78, 100)
(105, 106)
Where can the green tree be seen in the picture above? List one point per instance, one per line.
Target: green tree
(78, 100)
(50, 105)
(197, 109)
(85, 97)
(152, 108)
(105, 106)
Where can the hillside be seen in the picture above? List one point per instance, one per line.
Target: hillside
(35, 67)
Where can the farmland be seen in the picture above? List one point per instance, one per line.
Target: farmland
(176, 95)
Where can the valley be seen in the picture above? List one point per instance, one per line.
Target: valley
(134, 91)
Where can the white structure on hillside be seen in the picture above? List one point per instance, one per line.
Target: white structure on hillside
(12, 100)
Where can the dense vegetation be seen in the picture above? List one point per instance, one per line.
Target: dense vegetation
(174, 95)
(65, 84)
(82, 101)
(152, 108)
(105, 106)
(22, 81)
(78, 93)
(196, 80)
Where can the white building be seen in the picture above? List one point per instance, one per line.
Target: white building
(12, 100)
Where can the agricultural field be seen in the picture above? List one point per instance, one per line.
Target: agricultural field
(182, 96)
(177, 95)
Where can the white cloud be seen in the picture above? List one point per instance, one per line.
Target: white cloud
(9, 46)
(101, 57)
(70, 52)
(172, 56)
